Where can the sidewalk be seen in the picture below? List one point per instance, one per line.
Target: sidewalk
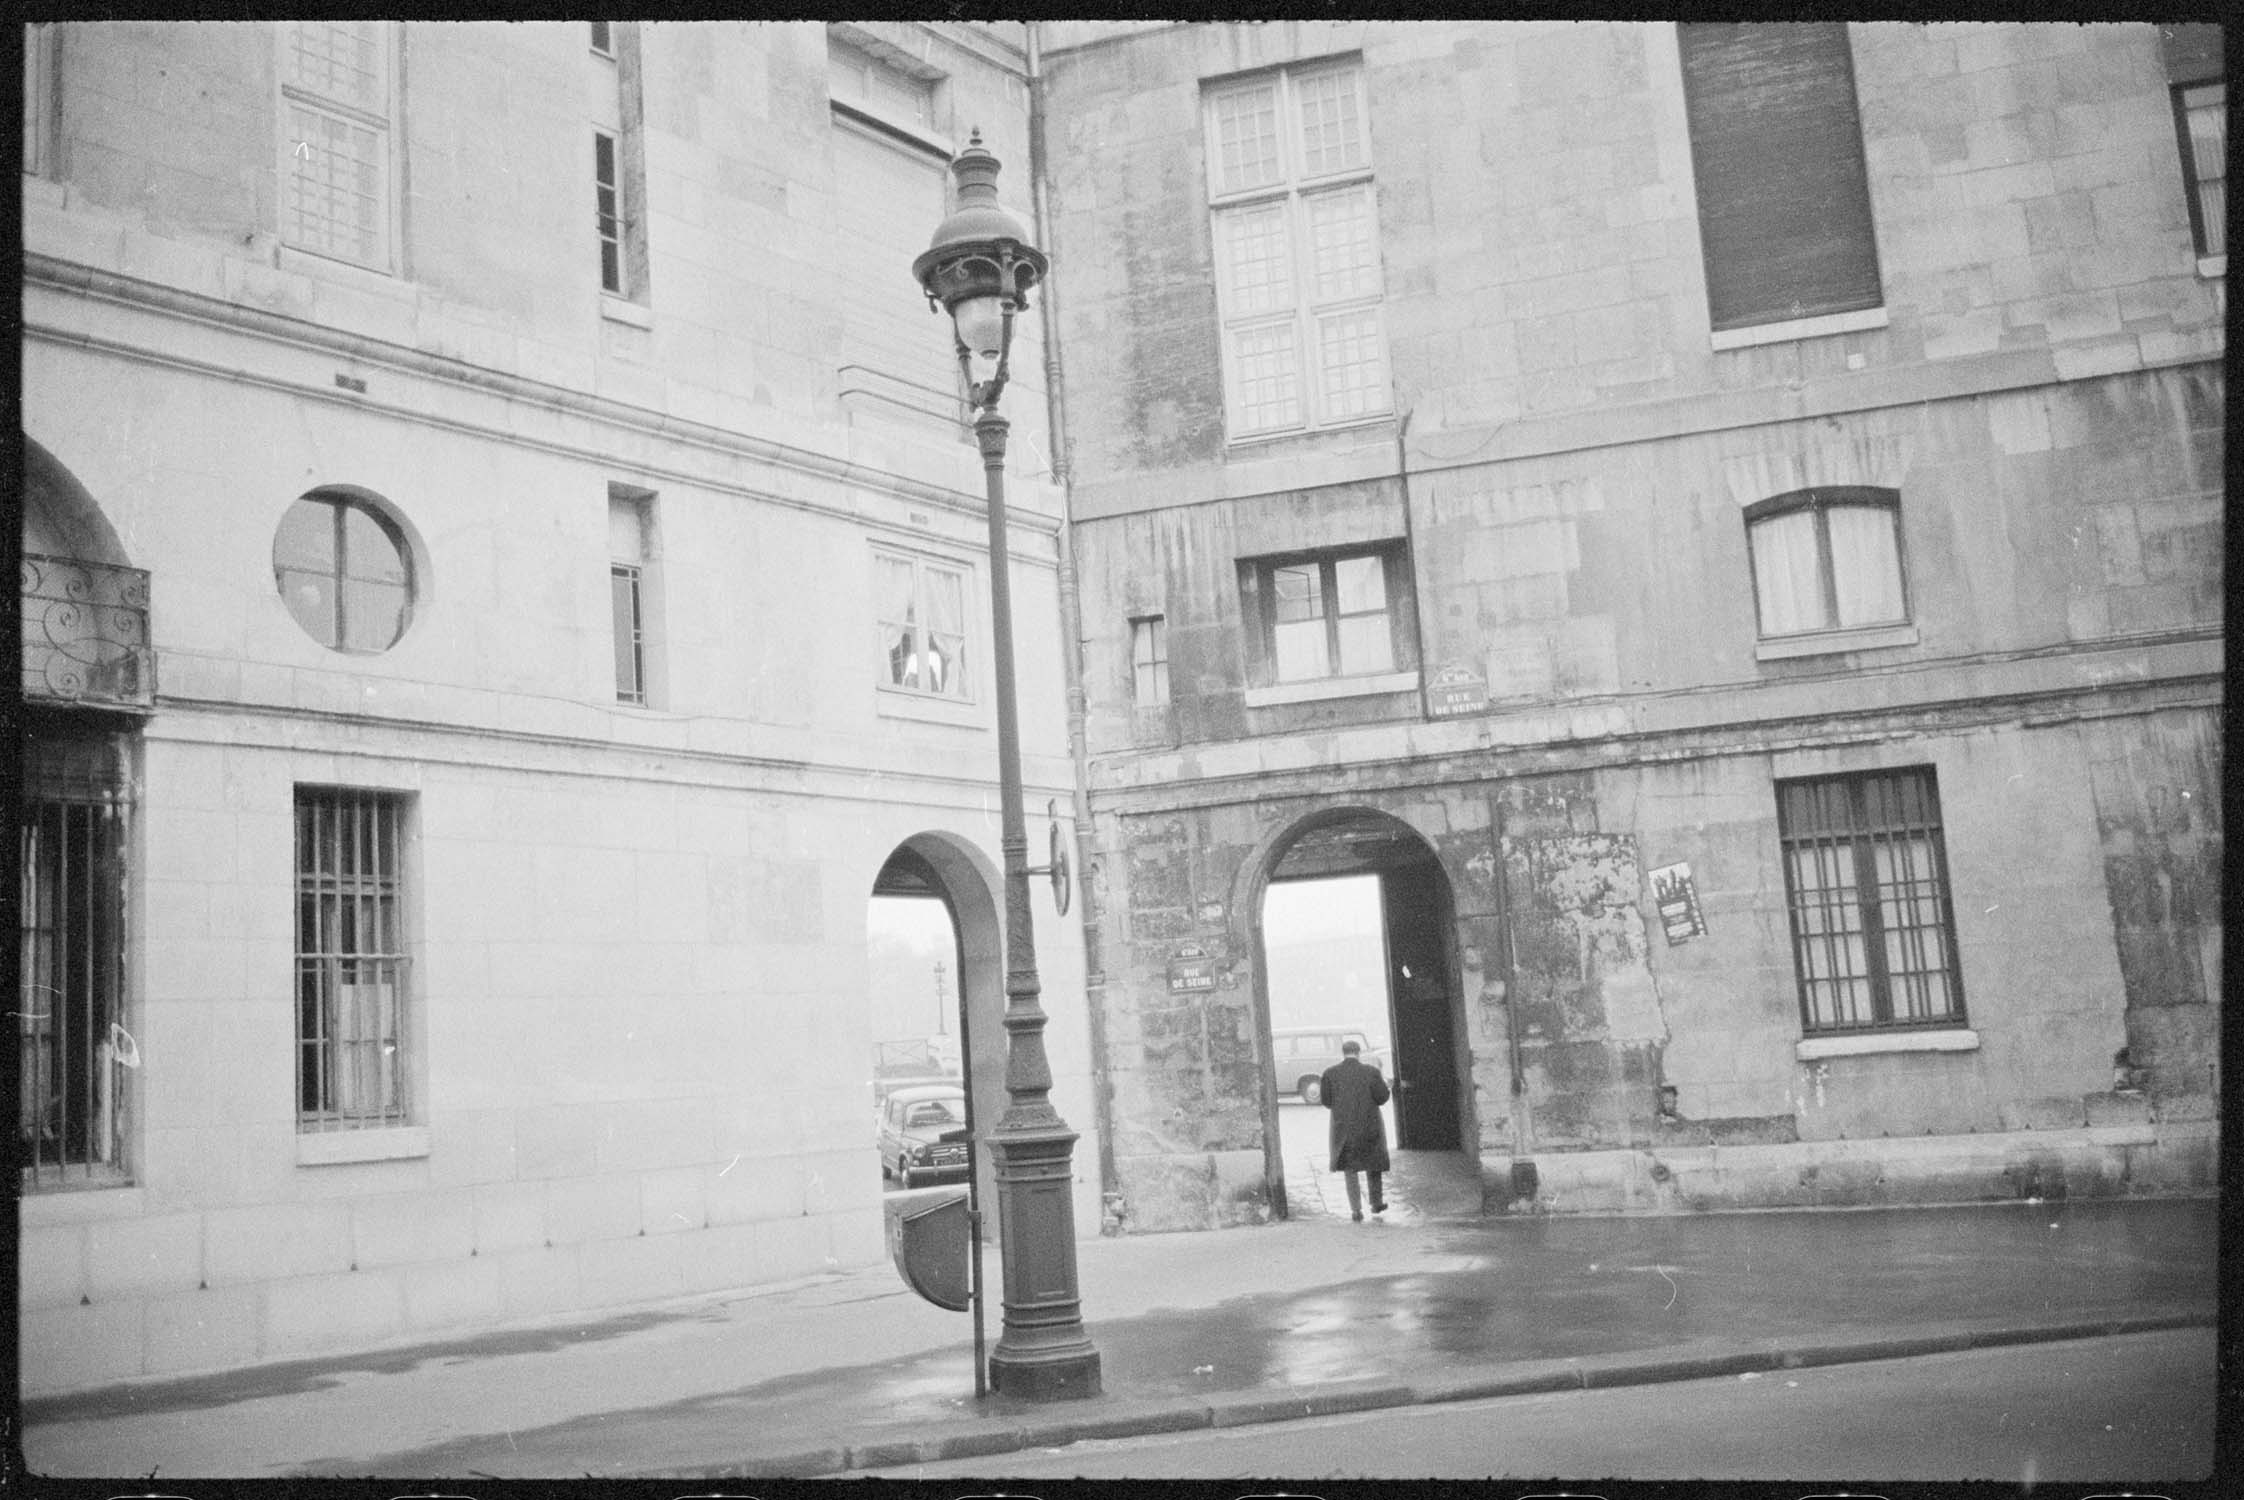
(852, 1371)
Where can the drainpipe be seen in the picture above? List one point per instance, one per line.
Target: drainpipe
(1071, 620)
(1410, 546)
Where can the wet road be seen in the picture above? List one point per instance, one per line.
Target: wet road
(2127, 1410)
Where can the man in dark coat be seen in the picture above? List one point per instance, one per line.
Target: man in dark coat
(1354, 1092)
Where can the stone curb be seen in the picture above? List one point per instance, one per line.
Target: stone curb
(985, 1437)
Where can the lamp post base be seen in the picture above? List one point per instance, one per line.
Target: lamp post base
(1047, 1375)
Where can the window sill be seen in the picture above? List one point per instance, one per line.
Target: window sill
(80, 1201)
(1813, 1048)
(322, 1148)
(1332, 687)
(1857, 321)
(1834, 642)
(620, 310)
(375, 278)
(890, 704)
(1278, 435)
(2213, 267)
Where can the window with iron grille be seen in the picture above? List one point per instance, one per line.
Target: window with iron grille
(1827, 559)
(1149, 660)
(73, 1050)
(335, 139)
(1776, 153)
(1340, 613)
(351, 965)
(1866, 879)
(1296, 230)
(921, 616)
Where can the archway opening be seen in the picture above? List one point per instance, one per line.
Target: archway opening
(919, 1076)
(1357, 937)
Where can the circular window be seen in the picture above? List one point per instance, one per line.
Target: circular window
(345, 571)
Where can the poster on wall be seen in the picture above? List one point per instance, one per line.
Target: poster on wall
(1678, 898)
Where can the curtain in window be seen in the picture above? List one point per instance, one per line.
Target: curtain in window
(1787, 580)
(899, 620)
(1865, 565)
(946, 633)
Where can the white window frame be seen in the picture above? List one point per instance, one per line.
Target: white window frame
(347, 114)
(1297, 326)
(965, 674)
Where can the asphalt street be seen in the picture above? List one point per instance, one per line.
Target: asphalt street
(2128, 1410)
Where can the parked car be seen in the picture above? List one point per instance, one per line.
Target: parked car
(1300, 1055)
(923, 1134)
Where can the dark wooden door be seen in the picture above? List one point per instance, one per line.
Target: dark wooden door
(1416, 903)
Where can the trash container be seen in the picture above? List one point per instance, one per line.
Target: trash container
(930, 1242)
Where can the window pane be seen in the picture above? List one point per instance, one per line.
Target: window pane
(1787, 580)
(310, 597)
(1362, 584)
(1299, 592)
(333, 200)
(624, 602)
(373, 615)
(1344, 259)
(1865, 564)
(1301, 650)
(1260, 273)
(1246, 144)
(338, 60)
(1348, 356)
(368, 550)
(1267, 364)
(1332, 137)
(1366, 644)
(306, 537)
(945, 665)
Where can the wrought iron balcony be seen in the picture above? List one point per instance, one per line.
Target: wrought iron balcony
(85, 633)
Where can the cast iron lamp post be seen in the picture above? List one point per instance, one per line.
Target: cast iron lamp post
(980, 267)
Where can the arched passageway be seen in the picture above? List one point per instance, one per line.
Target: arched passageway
(1355, 935)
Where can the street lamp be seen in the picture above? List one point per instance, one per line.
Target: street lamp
(980, 267)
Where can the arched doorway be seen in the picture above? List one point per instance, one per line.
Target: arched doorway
(933, 904)
(88, 685)
(1371, 893)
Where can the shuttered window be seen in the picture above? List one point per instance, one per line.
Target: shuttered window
(1776, 146)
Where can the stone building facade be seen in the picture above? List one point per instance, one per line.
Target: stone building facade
(1727, 523)
(505, 578)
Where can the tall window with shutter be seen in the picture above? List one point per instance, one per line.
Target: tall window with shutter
(1783, 195)
(335, 140)
(1296, 231)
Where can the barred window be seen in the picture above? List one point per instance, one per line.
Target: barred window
(1296, 232)
(1866, 879)
(351, 966)
(73, 1049)
(335, 115)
